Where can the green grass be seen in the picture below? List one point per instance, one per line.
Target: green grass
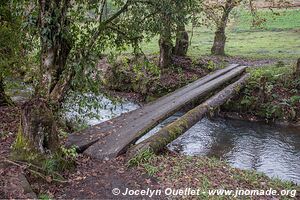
(278, 38)
(279, 19)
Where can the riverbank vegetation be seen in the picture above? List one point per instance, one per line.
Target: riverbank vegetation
(271, 94)
(177, 171)
(49, 49)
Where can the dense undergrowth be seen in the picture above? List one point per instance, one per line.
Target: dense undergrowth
(272, 93)
(144, 77)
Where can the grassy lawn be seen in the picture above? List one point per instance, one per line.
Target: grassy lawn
(277, 38)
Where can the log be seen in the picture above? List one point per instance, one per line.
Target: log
(157, 142)
(86, 138)
(136, 125)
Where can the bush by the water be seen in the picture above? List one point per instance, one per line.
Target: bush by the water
(133, 75)
(273, 93)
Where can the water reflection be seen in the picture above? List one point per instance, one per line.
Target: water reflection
(246, 145)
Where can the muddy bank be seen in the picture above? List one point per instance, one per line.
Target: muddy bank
(96, 179)
(272, 95)
(144, 79)
(121, 79)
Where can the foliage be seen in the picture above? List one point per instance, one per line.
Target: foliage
(151, 170)
(44, 197)
(144, 159)
(240, 32)
(60, 161)
(141, 158)
(10, 39)
(138, 21)
(272, 93)
(133, 74)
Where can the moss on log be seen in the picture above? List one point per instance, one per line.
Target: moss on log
(169, 133)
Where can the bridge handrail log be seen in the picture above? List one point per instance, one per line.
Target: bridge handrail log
(158, 141)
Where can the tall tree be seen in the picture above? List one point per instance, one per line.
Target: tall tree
(218, 12)
(218, 47)
(182, 41)
(72, 34)
(37, 118)
(168, 18)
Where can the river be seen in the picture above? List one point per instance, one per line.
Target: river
(272, 150)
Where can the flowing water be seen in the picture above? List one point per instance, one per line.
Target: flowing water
(90, 109)
(274, 151)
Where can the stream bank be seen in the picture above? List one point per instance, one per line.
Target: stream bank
(96, 179)
(272, 94)
(167, 170)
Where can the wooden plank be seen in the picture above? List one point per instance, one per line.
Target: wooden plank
(118, 141)
(83, 139)
(163, 137)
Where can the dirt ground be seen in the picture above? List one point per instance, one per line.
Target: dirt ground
(96, 179)
(91, 179)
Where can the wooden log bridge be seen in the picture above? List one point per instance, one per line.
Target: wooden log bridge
(113, 137)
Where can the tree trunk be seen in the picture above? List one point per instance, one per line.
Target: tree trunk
(297, 71)
(4, 99)
(169, 133)
(165, 52)
(38, 125)
(182, 42)
(37, 115)
(55, 48)
(218, 47)
(165, 43)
